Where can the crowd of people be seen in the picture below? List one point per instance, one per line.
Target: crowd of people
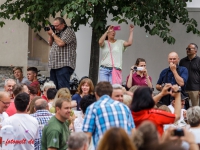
(106, 116)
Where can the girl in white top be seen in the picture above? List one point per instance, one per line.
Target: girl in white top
(117, 48)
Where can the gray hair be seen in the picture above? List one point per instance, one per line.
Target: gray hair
(48, 84)
(195, 45)
(40, 105)
(193, 116)
(117, 86)
(6, 81)
(77, 140)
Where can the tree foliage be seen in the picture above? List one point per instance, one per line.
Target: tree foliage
(154, 15)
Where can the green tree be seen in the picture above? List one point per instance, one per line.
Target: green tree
(153, 15)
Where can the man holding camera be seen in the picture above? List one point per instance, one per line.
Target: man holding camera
(62, 57)
(174, 74)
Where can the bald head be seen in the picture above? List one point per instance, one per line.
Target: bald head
(41, 104)
(4, 101)
(173, 58)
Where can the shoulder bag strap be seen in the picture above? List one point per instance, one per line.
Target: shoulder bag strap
(111, 54)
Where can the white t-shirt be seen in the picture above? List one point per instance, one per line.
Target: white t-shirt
(196, 132)
(172, 111)
(78, 124)
(3, 116)
(117, 49)
(26, 129)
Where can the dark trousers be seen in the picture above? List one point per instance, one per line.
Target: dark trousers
(61, 76)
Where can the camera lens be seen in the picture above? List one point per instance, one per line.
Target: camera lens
(46, 28)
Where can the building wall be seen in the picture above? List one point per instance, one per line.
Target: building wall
(14, 44)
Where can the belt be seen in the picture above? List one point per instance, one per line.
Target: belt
(110, 68)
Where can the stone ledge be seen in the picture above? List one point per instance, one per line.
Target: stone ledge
(6, 72)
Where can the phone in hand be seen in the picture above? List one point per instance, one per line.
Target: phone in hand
(178, 132)
(116, 28)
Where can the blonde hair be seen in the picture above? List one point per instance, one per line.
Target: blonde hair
(62, 93)
(165, 108)
(133, 88)
(127, 99)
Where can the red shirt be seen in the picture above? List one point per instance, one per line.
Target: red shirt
(37, 85)
(157, 116)
(11, 110)
(44, 97)
(138, 80)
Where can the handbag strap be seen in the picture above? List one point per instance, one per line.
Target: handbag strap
(111, 54)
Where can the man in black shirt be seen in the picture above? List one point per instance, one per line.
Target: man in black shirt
(192, 63)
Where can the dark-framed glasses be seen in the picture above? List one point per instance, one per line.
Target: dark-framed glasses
(5, 103)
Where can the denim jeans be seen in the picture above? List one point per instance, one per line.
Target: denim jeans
(61, 76)
(105, 74)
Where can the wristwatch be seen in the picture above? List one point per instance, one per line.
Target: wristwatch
(179, 90)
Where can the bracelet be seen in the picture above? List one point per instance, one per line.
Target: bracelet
(107, 31)
(131, 69)
(52, 34)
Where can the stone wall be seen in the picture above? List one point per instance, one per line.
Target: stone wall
(5, 73)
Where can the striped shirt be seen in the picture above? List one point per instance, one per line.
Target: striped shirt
(104, 114)
(61, 56)
(42, 116)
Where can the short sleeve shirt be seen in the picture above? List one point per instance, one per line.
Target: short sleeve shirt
(55, 134)
(104, 114)
(61, 56)
(182, 71)
(138, 80)
(24, 81)
(117, 49)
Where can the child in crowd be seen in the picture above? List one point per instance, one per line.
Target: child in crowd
(51, 93)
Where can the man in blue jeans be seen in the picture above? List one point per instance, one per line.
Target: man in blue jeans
(62, 57)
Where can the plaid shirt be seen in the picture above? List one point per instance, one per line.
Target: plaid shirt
(42, 116)
(61, 56)
(104, 114)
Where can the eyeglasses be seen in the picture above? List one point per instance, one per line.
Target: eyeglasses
(188, 49)
(8, 103)
(57, 25)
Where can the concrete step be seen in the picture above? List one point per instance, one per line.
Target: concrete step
(45, 73)
(33, 62)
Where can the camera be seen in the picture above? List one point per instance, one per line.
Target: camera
(138, 68)
(48, 28)
(178, 132)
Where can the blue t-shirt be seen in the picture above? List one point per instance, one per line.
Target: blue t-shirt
(182, 71)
